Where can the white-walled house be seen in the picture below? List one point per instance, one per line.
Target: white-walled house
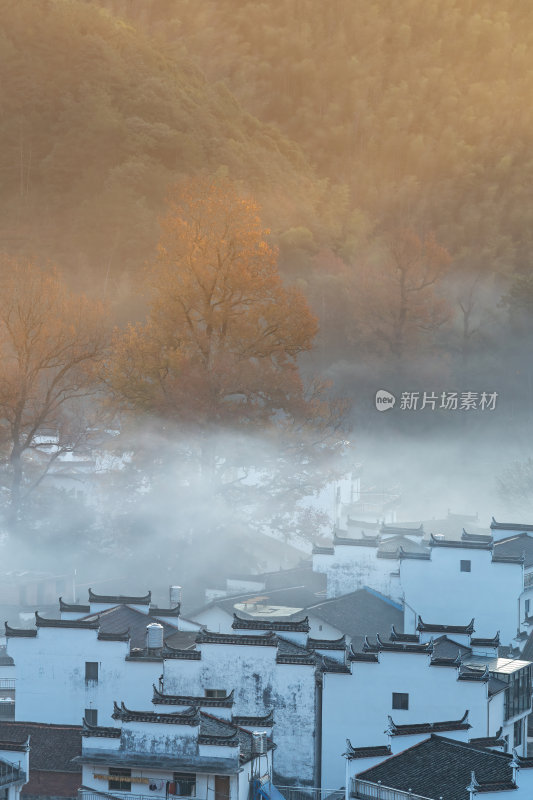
(373, 561)
(407, 682)
(165, 753)
(459, 577)
(437, 768)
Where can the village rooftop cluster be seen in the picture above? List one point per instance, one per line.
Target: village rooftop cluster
(395, 655)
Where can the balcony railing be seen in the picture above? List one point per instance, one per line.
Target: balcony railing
(10, 773)
(7, 683)
(364, 790)
(93, 794)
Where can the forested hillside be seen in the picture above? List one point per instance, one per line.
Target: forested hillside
(98, 121)
(419, 106)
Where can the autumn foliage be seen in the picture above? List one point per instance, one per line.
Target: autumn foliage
(51, 342)
(223, 334)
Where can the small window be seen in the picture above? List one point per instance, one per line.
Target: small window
(121, 780)
(91, 671)
(527, 604)
(517, 733)
(466, 566)
(400, 701)
(215, 693)
(185, 784)
(320, 627)
(91, 716)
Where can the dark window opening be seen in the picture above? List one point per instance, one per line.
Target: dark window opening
(527, 607)
(400, 701)
(91, 671)
(185, 784)
(91, 716)
(517, 733)
(466, 566)
(215, 693)
(121, 779)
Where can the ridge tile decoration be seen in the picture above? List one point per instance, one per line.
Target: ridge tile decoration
(159, 698)
(75, 607)
(429, 627)
(395, 729)
(189, 717)
(143, 600)
(299, 626)
(82, 624)
(396, 647)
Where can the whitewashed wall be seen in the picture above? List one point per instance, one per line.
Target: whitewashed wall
(50, 676)
(260, 683)
(352, 567)
(357, 706)
(439, 592)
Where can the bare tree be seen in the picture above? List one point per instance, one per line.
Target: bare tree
(51, 343)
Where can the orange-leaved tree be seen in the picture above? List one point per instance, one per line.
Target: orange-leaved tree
(51, 343)
(220, 344)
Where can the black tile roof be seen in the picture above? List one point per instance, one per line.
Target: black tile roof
(21, 632)
(189, 717)
(265, 639)
(496, 686)
(365, 541)
(52, 746)
(272, 624)
(159, 698)
(332, 665)
(188, 654)
(485, 642)
(100, 731)
(396, 647)
(327, 644)
(485, 538)
(471, 544)
(490, 741)
(424, 769)
(430, 627)
(355, 655)
(154, 611)
(422, 555)
(74, 607)
(81, 624)
(359, 612)
(379, 751)
(392, 544)
(428, 727)
(266, 721)
(114, 637)
(510, 526)
(122, 618)
(397, 636)
(518, 546)
(119, 599)
(323, 551)
(397, 529)
(15, 747)
(447, 649)
(214, 730)
(471, 674)
(292, 653)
